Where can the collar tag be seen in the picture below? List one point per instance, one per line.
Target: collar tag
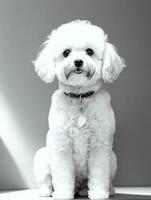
(81, 121)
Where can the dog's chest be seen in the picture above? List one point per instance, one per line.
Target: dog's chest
(79, 132)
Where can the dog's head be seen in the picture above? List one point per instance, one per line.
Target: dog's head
(79, 54)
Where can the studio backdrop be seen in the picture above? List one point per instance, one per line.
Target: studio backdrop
(25, 99)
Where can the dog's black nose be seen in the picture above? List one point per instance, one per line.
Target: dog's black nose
(78, 63)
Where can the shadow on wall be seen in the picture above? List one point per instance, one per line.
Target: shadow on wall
(10, 175)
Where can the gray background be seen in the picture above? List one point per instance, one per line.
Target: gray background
(24, 25)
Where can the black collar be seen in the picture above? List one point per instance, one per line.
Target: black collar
(81, 95)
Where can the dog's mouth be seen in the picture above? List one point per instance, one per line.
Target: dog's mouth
(78, 71)
(87, 74)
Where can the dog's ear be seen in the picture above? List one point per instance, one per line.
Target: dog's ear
(45, 63)
(112, 63)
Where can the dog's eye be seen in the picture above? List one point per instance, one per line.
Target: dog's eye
(89, 51)
(66, 52)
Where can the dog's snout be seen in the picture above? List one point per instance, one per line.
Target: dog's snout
(78, 63)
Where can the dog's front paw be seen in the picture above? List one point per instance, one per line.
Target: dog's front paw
(62, 195)
(45, 192)
(99, 194)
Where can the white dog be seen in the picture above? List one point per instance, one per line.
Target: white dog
(78, 155)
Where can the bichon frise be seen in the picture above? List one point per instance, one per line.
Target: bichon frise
(78, 156)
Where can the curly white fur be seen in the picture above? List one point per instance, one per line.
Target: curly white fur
(79, 143)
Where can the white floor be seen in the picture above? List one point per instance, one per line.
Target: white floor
(121, 194)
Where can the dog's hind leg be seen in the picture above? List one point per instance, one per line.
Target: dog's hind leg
(42, 171)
